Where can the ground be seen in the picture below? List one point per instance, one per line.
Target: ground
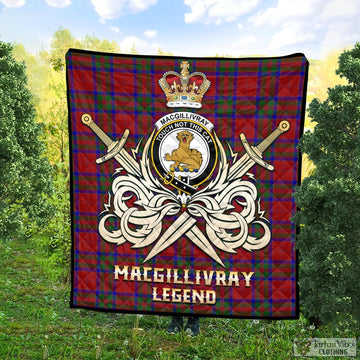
(36, 322)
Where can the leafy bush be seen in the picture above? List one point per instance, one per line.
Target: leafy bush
(56, 237)
(329, 202)
(25, 174)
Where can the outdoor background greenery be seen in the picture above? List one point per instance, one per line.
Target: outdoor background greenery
(37, 323)
(329, 202)
(35, 319)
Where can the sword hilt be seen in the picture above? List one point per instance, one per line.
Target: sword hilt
(87, 120)
(256, 152)
(283, 126)
(113, 147)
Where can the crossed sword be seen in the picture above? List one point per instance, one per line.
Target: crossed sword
(185, 224)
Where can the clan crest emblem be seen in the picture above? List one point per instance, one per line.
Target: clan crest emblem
(184, 152)
(183, 171)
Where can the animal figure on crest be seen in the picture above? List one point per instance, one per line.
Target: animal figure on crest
(185, 159)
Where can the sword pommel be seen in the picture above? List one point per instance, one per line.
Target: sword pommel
(284, 126)
(86, 119)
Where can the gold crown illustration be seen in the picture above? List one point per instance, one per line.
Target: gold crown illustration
(184, 89)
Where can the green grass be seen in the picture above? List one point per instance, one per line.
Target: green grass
(37, 323)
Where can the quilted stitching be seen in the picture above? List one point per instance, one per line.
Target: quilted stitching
(247, 96)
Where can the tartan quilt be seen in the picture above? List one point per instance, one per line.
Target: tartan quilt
(182, 175)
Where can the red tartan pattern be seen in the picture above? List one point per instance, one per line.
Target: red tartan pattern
(249, 96)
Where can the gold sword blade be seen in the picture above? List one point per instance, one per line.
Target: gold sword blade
(199, 239)
(178, 228)
(184, 225)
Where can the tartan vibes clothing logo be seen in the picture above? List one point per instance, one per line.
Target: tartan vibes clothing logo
(184, 150)
(182, 174)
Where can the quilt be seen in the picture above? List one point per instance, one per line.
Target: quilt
(182, 179)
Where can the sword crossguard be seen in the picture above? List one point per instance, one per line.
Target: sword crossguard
(114, 148)
(256, 152)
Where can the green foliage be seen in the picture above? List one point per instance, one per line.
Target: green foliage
(37, 73)
(62, 40)
(95, 44)
(46, 72)
(25, 174)
(56, 238)
(164, 53)
(329, 202)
